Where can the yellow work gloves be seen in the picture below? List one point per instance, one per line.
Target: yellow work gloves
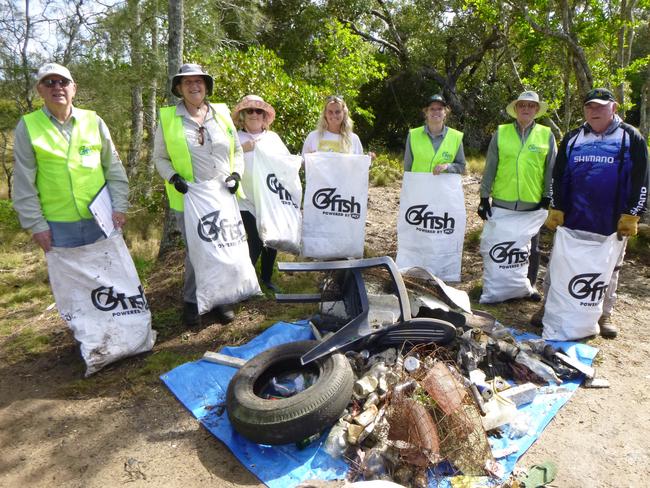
(555, 218)
(628, 225)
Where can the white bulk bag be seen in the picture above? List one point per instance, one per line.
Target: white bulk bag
(277, 195)
(335, 206)
(216, 242)
(580, 269)
(99, 295)
(431, 224)
(505, 248)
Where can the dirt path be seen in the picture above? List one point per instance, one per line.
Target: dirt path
(58, 430)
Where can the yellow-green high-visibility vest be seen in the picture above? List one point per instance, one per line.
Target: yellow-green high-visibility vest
(179, 153)
(425, 158)
(521, 168)
(68, 175)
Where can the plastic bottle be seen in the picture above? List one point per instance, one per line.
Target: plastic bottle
(335, 444)
(539, 368)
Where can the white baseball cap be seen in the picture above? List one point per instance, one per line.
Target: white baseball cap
(53, 69)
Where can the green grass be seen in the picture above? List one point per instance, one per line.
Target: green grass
(475, 165)
(158, 363)
(166, 322)
(473, 238)
(25, 343)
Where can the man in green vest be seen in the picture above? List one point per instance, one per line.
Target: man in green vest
(63, 157)
(434, 147)
(519, 168)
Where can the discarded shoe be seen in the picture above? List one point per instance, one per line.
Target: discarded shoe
(540, 475)
(224, 313)
(271, 286)
(535, 296)
(607, 328)
(536, 318)
(190, 316)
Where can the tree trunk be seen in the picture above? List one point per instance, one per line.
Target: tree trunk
(174, 60)
(6, 167)
(644, 108)
(24, 58)
(137, 117)
(150, 115)
(566, 126)
(624, 51)
(137, 122)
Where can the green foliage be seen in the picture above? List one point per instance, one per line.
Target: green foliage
(8, 219)
(343, 64)
(385, 169)
(259, 71)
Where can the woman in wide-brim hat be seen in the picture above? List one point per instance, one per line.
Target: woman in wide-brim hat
(196, 141)
(253, 116)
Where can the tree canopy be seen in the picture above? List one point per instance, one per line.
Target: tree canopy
(384, 56)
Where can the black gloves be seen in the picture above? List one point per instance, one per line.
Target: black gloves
(484, 210)
(179, 183)
(232, 182)
(544, 203)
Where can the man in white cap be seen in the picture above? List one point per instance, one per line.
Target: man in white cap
(519, 167)
(63, 156)
(600, 182)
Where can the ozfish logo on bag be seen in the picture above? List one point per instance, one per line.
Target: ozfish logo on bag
(327, 199)
(507, 256)
(106, 299)
(276, 187)
(586, 287)
(428, 221)
(210, 229)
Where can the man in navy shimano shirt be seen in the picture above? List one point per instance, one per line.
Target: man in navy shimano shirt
(600, 181)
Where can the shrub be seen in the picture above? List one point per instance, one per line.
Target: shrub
(385, 169)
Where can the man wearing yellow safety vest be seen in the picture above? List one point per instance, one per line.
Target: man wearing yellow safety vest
(519, 168)
(434, 147)
(196, 141)
(63, 156)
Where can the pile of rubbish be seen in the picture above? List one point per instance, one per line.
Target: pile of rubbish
(422, 403)
(419, 412)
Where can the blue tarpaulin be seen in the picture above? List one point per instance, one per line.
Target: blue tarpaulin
(201, 386)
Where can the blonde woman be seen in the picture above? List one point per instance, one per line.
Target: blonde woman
(334, 130)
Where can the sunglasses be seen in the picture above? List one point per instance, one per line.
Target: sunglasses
(201, 138)
(251, 111)
(52, 83)
(530, 105)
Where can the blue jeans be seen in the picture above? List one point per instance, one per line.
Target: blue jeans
(75, 234)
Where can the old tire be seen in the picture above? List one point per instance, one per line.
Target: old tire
(291, 419)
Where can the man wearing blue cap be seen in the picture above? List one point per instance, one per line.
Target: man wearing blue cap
(600, 182)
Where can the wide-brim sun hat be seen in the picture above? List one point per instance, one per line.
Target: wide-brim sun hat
(190, 69)
(50, 69)
(253, 101)
(527, 96)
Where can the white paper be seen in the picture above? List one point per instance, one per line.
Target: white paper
(101, 209)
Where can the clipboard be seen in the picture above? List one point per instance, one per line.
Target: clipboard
(101, 209)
